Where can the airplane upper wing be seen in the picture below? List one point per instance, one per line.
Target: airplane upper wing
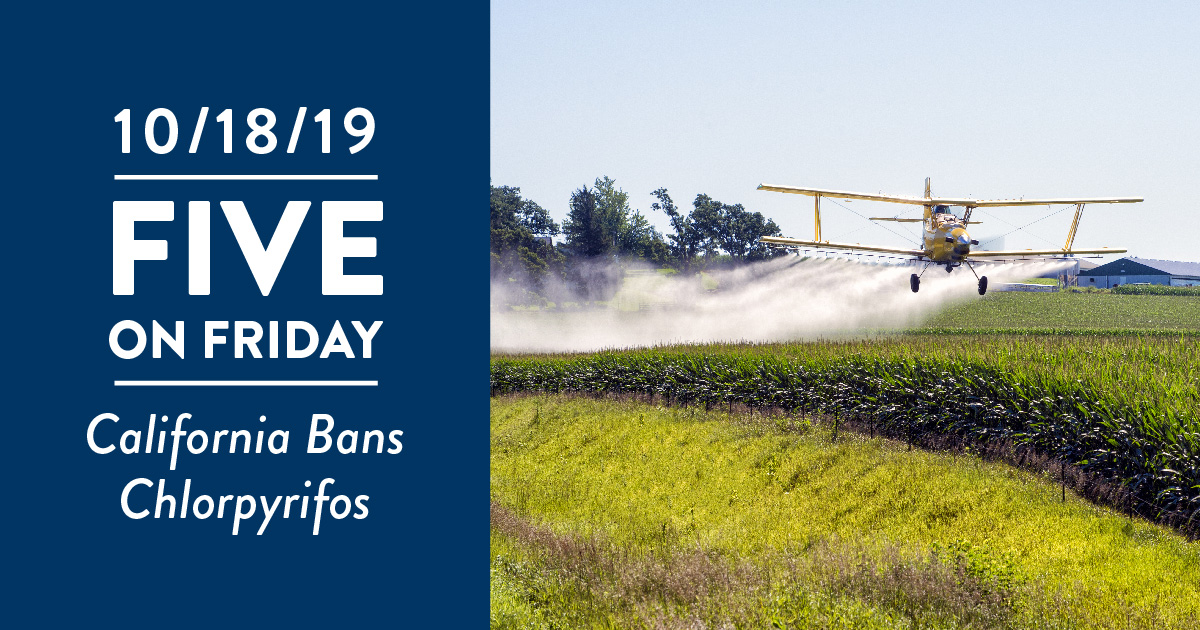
(778, 240)
(943, 201)
(1017, 253)
(997, 203)
(841, 194)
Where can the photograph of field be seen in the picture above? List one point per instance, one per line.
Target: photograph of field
(714, 406)
(1005, 480)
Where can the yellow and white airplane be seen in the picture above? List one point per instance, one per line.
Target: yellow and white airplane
(946, 241)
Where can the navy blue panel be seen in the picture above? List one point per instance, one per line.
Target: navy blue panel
(419, 558)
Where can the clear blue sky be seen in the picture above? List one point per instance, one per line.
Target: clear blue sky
(989, 99)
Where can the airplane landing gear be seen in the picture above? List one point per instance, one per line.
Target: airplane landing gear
(914, 282)
(982, 279)
(949, 268)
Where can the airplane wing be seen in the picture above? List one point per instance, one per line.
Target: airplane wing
(915, 220)
(1018, 253)
(778, 240)
(998, 203)
(942, 201)
(841, 194)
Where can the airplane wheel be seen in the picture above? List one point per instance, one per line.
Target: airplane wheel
(914, 281)
(982, 285)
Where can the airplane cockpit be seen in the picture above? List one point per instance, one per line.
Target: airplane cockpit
(943, 214)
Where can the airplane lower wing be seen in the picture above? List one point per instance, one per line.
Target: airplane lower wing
(778, 240)
(1017, 253)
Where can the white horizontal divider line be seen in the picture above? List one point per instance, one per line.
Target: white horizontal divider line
(245, 383)
(243, 177)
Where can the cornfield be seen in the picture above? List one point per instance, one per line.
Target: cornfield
(1120, 409)
(1156, 289)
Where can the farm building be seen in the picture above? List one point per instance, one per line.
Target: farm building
(1132, 270)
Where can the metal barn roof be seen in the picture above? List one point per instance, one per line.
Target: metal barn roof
(1134, 266)
(1173, 267)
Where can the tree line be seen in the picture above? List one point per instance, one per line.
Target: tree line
(601, 226)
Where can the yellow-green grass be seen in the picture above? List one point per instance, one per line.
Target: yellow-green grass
(1071, 311)
(653, 481)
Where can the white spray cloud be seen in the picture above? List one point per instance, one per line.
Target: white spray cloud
(783, 299)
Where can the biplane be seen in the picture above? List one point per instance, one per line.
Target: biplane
(946, 241)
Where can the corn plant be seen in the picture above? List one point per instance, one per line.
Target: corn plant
(1147, 440)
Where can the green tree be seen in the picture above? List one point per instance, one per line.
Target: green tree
(628, 231)
(732, 229)
(516, 253)
(506, 200)
(686, 241)
(709, 219)
(639, 239)
(536, 219)
(612, 207)
(584, 227)
(756, 226)
(713, 228)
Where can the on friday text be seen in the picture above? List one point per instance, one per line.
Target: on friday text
(299, 339)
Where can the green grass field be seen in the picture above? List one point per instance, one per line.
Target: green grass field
(1072, 311)
(617, 514)
(1123, 409)
(623, 515)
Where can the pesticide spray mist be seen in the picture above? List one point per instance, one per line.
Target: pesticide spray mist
(784, 299)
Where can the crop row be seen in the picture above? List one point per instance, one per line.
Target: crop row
(1156, 289)
(1153, 451)
(1068, 310)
